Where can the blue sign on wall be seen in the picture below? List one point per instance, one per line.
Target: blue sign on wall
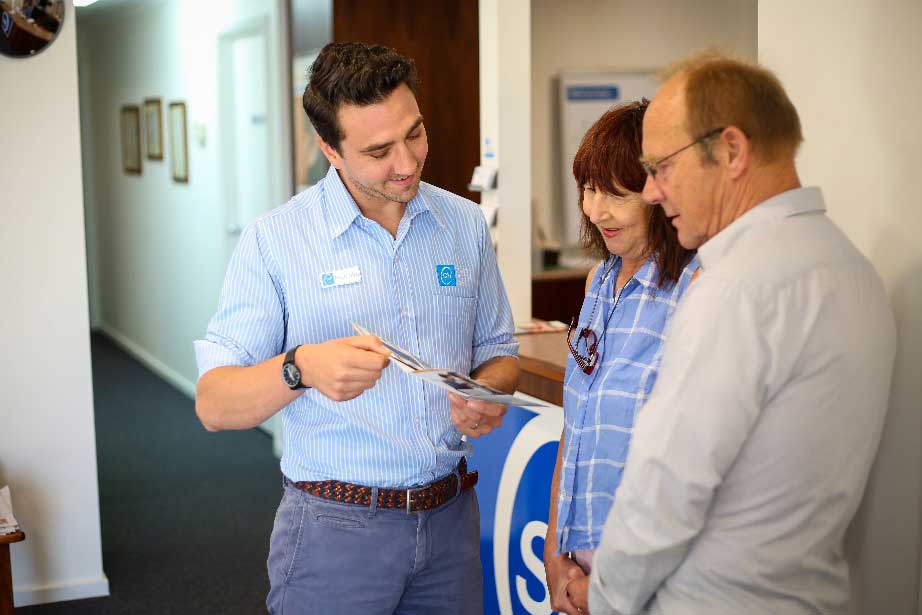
(516, 463)
(592, 92)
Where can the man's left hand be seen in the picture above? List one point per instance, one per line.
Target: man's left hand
(578, 593)
(473, 417)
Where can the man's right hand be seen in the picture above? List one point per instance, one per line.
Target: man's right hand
(344, 368)
(560, 570)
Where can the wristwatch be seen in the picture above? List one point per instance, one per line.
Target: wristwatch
(291, 375)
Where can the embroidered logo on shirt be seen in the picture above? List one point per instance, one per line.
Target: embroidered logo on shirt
(341, 277)
(446, 275)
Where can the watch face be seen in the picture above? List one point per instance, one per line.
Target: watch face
(291, 374)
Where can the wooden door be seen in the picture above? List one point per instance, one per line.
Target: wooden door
(441, 36)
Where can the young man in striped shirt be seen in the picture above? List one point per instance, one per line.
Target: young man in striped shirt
(378, 514)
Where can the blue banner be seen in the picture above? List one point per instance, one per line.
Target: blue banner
(516, 463)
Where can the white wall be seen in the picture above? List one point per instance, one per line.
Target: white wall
(853, 73)
(47, 439)
(623, 35)
(161, 247)
(505, 139)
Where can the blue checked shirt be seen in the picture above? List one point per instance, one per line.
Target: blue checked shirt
(435, 290)
(600, 409)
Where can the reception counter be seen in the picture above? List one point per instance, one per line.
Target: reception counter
(542, 361)
(516, 463)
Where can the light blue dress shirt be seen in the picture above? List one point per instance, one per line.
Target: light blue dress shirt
(600, 408)
(276, 295)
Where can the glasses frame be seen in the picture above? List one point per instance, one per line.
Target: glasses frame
(585, 363)
(651, 168)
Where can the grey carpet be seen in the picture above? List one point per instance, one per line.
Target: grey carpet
(186, 514)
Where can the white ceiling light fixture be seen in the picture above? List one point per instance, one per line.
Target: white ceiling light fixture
(81, 3)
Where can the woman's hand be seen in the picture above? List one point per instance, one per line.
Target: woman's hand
(578, 594)
(561, 573)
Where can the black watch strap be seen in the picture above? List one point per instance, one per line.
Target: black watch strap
(290, 360)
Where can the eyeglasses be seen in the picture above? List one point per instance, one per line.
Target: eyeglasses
(589, 339)
(652, 167)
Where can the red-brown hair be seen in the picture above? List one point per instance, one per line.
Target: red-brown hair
(608, 160)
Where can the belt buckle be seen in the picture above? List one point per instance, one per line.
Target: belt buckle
(410, 492)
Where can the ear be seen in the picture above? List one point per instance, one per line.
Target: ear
(330, 152)
(738, 151)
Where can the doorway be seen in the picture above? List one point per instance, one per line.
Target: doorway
(243, 101)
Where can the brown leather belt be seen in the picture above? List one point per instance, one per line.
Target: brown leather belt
(412, 500)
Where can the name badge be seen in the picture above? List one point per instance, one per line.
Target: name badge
(446, 275)
(341, 277)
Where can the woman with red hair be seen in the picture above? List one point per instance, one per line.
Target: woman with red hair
(615, 343)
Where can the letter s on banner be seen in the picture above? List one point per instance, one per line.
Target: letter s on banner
(533, 529)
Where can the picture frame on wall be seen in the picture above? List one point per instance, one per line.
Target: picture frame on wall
(179, 142)
(131, 139)
(153, 128)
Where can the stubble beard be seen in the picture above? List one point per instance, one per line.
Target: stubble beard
(404, 196)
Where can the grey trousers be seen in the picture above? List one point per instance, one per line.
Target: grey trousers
(333, 558)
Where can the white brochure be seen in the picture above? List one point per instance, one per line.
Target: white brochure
(447, 379)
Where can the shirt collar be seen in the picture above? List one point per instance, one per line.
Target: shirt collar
(790, 203)
(420, 204)
(645, 276)
(342, 210)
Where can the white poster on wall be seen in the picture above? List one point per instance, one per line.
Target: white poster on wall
(584, 97)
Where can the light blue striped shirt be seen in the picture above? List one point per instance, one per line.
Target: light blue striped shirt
(600, 408)
(398, 433)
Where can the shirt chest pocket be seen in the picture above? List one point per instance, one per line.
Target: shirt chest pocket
(449, 290)
(454, 317)
(454, 300)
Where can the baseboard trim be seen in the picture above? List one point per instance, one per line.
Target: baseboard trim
(59, 592)
(157, 366)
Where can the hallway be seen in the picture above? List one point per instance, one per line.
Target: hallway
(186, 514)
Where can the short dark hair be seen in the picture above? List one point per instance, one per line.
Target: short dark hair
(355, 74)
(609, 157)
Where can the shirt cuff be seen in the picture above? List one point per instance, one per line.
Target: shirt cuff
(482, 354)
(210, 354)
(598, 605)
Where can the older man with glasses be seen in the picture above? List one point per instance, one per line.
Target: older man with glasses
(751, 456)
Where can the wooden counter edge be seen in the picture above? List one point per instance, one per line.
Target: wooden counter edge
(540, 376)
(6, 539)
